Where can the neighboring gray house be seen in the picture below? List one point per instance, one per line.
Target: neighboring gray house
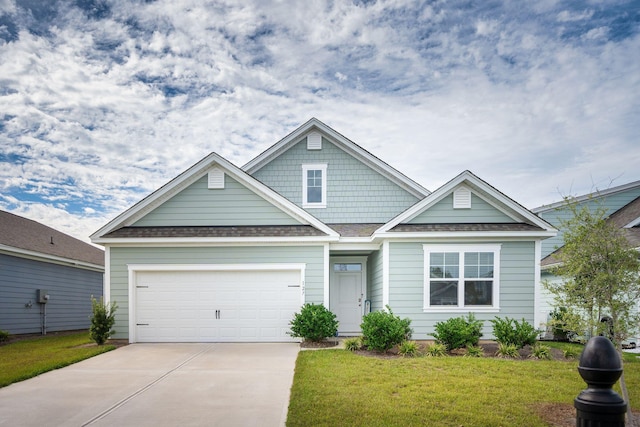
(622, 204)
(36, 260)
(227, 254)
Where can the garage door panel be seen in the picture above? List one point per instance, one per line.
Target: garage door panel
(210, 306)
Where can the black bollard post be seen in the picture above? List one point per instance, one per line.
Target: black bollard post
(600, 367)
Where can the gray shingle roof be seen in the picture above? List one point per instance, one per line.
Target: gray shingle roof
(454, 227)
(621, 217)
(230, 231)
(22, 233)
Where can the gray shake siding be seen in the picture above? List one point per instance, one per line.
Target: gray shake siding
(406, 293)
(121, 257)
(70, 289)
(355, 192)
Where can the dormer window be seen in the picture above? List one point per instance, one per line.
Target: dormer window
(314, 186)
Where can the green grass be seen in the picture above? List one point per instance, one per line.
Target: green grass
(31, 357)
(337, 387)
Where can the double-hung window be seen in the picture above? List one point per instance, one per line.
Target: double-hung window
(314, 186)
(462, 277)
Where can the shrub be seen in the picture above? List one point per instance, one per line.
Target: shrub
(474, 351)
(353, 344)
(570, 353)
(409, 349)
(507, 351)
(510, 331)
(314, 323)
(4, 335)
(381, 330)
(436, 350)
(559, 318)
(102, 320)
(541, 351)
(458, 332)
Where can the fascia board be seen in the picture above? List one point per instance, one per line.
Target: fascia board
(39, 256)
(479, 187)
(633, 223)
(345, 144)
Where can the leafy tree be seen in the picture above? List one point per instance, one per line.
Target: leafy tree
(599, 268)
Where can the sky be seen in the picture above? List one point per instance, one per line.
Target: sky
(104, 101)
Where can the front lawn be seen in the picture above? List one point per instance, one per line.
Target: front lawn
(337, 387)
(28, 358)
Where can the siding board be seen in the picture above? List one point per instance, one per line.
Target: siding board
(70, 288)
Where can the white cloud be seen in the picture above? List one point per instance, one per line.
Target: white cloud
(104, 111)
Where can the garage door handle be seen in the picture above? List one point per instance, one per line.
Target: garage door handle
(142, 324)
(217, 314)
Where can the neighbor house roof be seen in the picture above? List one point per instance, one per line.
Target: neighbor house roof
(627, 218)
(27, 238)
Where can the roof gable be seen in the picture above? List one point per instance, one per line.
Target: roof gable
(198, 172)
(22, 236)
(494, 207)
(316, 126)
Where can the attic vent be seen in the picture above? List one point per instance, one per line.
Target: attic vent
(216, 179)
(314, 141)
(462, 198)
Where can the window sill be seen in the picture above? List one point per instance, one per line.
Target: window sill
(456, 309)
(314, 206)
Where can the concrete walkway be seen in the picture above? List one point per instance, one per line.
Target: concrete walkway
(160, 385)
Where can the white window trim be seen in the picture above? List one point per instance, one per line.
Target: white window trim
(461, 308)
(323, 168)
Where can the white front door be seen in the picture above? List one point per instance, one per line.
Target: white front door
(347, 293)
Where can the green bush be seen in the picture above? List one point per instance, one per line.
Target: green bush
(102, 320)
(474, 351)
(314, 323)
(436, 350)
(507, 351)
(4, 335)
(353, 344)
(381, 330)
(570, 353)
(510, 331)
(558, 324)
(409, 349)
(458, 332)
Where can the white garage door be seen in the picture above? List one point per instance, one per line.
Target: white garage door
(216, 306)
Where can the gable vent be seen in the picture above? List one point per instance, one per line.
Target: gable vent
(216, 179)
(314, 141)
(462, 198)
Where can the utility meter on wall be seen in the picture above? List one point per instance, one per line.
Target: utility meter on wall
(43, 296)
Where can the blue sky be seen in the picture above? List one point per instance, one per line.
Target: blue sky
(104, 101)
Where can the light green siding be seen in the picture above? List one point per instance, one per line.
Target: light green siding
(196, 205)
(121, 257)
(443, 213)
(355, 192)
(406, 293)
(374, 285)
(611, 203)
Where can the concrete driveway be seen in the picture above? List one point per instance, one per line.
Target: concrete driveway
(160, 385)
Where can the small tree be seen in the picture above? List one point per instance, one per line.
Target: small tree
(599, 269)
(102, 320)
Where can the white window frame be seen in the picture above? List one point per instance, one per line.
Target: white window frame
(461, 249)
(323, 169)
